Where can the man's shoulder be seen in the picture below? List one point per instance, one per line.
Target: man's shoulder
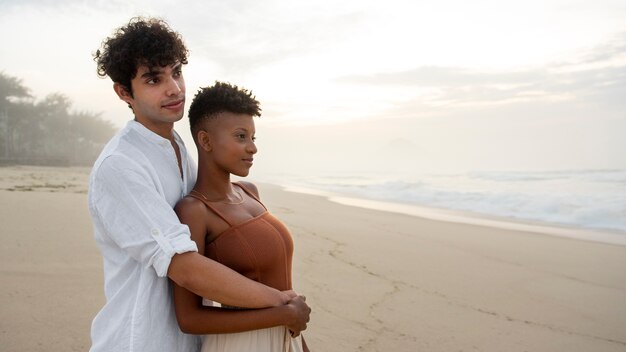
(121, 152)
(126, 144)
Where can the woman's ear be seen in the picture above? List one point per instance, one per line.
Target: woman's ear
(204, 141)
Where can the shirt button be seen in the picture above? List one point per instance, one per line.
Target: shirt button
(155, 232)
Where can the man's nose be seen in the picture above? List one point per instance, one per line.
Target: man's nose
(174, 87)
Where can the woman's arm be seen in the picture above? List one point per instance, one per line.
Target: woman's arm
(195, 318)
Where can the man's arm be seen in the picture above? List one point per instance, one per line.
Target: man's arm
(210, 279)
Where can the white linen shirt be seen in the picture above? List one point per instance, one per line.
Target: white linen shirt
(133, 188)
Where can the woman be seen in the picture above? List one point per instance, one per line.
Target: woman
(230, 225)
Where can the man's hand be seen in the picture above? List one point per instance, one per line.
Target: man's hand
(301, 312)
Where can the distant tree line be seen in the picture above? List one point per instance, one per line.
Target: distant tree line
(46, 132)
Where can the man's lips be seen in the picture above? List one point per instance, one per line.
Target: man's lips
(174, 104)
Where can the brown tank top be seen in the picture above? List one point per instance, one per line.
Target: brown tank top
(259, 248)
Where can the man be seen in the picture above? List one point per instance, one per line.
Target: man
(138, 178)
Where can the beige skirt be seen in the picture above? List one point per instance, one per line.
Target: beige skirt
(276, 339)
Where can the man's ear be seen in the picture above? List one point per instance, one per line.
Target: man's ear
(123, 93)
(204, 141)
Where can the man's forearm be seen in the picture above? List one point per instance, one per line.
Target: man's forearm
(210, 279)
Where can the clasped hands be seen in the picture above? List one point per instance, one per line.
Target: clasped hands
(301, 312)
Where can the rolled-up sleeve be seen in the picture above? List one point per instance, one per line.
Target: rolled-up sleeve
(136, 216)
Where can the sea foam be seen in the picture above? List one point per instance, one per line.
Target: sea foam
(583, 199)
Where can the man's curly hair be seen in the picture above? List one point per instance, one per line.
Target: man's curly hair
(221, 97)
(143, 41)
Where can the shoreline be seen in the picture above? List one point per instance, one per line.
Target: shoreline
(469, 218)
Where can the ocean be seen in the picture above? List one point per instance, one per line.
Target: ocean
(572, 200)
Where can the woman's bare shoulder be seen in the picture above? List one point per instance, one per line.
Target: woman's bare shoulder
(189, 206)
(250, 187)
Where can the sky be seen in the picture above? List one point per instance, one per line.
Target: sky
(368, 86)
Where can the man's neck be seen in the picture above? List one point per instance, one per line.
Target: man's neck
(162, 129)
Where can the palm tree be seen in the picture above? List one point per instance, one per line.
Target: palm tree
(47, 131)
(11, 91)
(12, 87)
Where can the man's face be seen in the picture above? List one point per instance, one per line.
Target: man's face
(158, 96)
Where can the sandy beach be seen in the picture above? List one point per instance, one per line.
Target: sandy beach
(376, 281)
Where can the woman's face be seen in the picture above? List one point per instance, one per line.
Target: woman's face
(232, 142)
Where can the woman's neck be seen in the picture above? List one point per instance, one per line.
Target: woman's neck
(213, 184)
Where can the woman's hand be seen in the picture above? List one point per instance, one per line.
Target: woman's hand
(301, 312)
(291, 293)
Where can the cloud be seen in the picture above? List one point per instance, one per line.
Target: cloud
(607, 50)
(434, 76)
(251, 35)
(67, 6)
(598, 73)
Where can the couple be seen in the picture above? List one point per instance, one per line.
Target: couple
(227, 249)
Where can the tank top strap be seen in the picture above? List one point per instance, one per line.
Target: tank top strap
(211, 207)
(248, 192)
